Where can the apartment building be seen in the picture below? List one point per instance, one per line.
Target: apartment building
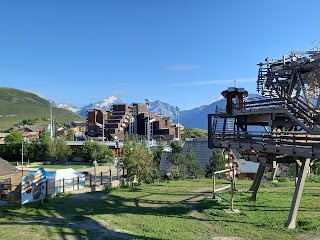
(133, 119)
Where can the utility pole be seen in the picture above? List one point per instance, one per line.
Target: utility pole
(178, 125)
(51, 123)
(148, 124)
(102, 126)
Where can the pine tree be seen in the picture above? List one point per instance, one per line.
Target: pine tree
(217, 162)
(194, 168)
(177, 161)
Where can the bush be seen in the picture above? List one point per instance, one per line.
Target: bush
(282, 179)
(313, 178)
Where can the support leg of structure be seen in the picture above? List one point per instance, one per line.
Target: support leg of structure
(291, 223)
(257, 181)
(275, 166)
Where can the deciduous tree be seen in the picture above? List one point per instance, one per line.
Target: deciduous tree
(13, 145)
(138, 162)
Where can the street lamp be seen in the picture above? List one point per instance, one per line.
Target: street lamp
(178, 125)
(148, 124)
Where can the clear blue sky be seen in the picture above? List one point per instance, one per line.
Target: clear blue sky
(181, 52)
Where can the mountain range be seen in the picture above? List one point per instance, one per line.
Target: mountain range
(17, 105)
(193, 118)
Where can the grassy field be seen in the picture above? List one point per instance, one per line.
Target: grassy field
(58, 166)
(169, 210)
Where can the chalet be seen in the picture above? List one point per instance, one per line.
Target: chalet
(10, 178)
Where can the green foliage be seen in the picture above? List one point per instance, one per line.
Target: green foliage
(292, 169)
(217, 162)
(157, 153)
(13, 145)
(89, 150)
(313, 178)
(138, 162)
(70, 134)
(282, 179)
(93, 151)
(316, 168)
(103, 154)
(33, 150)
(59, 149)
(194, 133)
(194, 169)
(45, 143)
(177, 161)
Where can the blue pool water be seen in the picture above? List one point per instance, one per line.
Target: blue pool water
(48, 173)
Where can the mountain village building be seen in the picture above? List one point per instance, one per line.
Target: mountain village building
(133, 119)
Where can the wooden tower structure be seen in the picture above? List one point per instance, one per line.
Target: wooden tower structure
(282, 125)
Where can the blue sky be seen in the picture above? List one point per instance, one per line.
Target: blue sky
(183, 52)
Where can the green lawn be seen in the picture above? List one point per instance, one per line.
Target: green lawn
(169, 210)
(58, 166)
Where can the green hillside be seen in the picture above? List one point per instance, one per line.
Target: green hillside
(17, 105)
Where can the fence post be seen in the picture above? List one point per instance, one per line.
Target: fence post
(214, 185)
(90, 179)
(122, 172)
(101, 180)
(63, 185)
(78, 183)
(110, 176)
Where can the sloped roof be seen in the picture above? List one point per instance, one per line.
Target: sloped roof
(200, 149)
(6, 168)
(248, 166)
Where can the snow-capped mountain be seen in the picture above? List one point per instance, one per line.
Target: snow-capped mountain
(68, 106)
(104, 104)
(164, 109)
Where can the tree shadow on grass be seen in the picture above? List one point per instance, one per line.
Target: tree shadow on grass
(79, 216)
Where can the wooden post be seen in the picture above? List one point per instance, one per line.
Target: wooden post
(256, 182)
(101, 180)
(214, 186)
(90, 178)
(232, 191)
(110, 176)
(122, 172)
(291, 223)
(78, 182)
(275, 166)
(63, 185)
(296, 173)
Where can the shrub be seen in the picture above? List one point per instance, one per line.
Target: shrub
(283, 179)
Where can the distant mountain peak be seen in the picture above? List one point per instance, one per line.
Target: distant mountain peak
(68, 106)
(163, 109)
(105, 104)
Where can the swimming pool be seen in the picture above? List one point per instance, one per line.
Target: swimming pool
(48, 173)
